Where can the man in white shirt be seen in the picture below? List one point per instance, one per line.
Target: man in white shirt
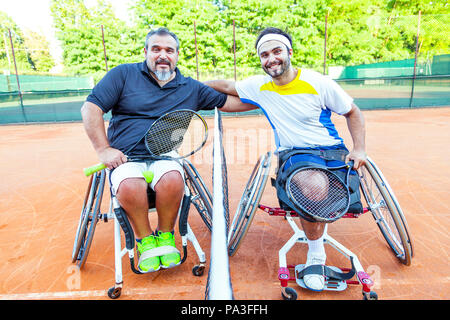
(298, 104)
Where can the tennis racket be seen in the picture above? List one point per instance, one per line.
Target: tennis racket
(320, 192)
(175, 135)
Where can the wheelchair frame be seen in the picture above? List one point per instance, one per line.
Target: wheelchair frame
(379, 200)
(195, 192)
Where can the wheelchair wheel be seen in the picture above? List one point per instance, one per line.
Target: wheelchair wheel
(249, 203)
(288, 293)
(90, 214)
(386, 211)
(200, 195)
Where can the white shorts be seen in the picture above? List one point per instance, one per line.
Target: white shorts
(135, 169)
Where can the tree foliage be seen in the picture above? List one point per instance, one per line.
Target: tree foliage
(31, 49)
(38, 49)
(79, 30)
(358, 31)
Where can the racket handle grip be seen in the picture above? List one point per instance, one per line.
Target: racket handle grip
(90, 170)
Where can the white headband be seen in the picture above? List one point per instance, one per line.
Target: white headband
(273, 36)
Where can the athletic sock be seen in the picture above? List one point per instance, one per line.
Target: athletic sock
(316, 247)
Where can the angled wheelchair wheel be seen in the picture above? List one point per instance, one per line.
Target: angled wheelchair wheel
(90, 214)
(249, 203)
(200, 196)
(386, 210)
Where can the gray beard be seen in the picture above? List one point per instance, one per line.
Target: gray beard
(163, 75)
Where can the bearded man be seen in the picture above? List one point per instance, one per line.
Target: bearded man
(298, 104)
(137, 94)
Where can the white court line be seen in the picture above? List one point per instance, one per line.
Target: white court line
(91, 293)
(70, 294)
(53, 295)
(389, 282)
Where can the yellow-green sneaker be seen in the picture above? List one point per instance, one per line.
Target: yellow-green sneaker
(148, 262)
(171, 259)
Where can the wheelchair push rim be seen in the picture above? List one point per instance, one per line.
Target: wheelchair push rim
(386, 211)
(200, 196)
(81, 228)
(249, 203)
(89, 217)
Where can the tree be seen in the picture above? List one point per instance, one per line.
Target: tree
(359, 31)
(303, 20)
(31, 49)
(20, 52)
(79, 30)
(179, 17)
(38, 50)
(365, 32)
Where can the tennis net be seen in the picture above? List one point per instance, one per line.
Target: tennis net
(218, 286)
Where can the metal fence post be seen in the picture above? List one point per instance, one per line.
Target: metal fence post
(196, 50)
(234, 49)
(17, 76)
(325, 45)
(415, 62)
(104, 49)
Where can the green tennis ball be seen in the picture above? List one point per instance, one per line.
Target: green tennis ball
(148, 175)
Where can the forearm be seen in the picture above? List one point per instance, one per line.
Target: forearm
(356, 126)
(94, 126)
(234, 104)
(225, 86)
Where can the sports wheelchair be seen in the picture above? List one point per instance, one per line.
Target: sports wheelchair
(195, 192)
(379, 200)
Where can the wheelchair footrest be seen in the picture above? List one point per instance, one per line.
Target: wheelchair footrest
(331, 284)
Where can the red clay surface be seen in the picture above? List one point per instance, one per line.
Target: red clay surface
(43, 187)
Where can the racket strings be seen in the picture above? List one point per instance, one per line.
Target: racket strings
(319, 193)
(175, 130)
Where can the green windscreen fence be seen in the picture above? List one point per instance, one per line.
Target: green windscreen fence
(391, 84)
(403, 68)
(42, 106)
(389, 93)
(8, 83)
(439, 65)
(42, 98)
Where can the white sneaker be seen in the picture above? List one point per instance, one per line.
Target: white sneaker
(315, 282)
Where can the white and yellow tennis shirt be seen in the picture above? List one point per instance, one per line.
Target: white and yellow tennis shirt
(300, 111)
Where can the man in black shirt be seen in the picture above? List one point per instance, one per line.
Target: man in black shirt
(137, 94)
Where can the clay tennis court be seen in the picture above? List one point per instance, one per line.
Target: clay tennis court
(43, 187)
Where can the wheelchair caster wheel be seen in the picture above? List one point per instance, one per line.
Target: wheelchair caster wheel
(114, 292)
(288, 293)
(198, 270)
(372, 295)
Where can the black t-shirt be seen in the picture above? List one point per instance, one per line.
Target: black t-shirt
(136, 101)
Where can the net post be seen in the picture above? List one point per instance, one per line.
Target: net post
(219, 279)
